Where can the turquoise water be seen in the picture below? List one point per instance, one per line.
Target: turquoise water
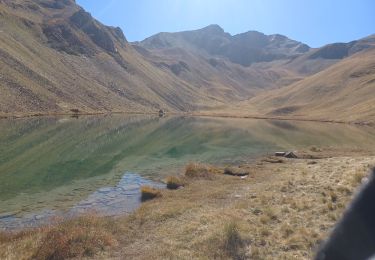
(54, 163)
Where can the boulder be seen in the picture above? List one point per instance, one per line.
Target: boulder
(235, 171)
(286, 154)
(280, 154)
(291, 155)
(161, 113)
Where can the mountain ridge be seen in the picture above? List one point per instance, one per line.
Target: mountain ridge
(215, 41)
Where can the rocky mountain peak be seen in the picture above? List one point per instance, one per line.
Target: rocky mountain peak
(244, 48)
(213, 29)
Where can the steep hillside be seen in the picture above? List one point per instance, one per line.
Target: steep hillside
(55, 57)
(344, 91)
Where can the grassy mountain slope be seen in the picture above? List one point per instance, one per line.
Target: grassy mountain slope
(55, 57)
(344, 91)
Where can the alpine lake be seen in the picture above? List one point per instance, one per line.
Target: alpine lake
(57, 166)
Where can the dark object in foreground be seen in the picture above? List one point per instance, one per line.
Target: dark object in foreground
(353, 238)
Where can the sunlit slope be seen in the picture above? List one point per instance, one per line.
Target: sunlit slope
(344, 91)
(55, 57)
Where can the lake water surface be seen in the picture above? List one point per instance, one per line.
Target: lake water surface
(63, 164)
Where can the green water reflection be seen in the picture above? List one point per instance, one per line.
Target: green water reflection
(54, 162)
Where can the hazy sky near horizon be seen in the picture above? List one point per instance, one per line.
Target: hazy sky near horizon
(316, 22)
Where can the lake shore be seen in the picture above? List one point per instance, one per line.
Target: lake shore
(283, 209)
(191, 114)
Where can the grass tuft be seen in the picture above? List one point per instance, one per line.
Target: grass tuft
(315, 149)
(233, 243)
(81, 237)
(358, 177)
(173, 182)
(197, 170)
(149, 193)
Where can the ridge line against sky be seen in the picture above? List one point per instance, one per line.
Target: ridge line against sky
(315, 23)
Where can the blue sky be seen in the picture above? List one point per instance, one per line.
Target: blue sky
(315, 22)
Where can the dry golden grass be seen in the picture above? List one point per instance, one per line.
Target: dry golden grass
(281, 211)
(149, 193)
(85, 236)
(198, 170)
(77, 238)
(346, 87)
(174, 182)
(233, 243)
(358, 177)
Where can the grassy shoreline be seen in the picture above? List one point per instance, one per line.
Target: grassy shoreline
(191, 114)
(281, 210)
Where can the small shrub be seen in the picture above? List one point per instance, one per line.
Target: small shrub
(315, 149)
(256, 211)
(235, 171)
(233, 243)
(74, 110)
(149, 193)
(333, 196)
(357, 178)
(265, 232)
(83, 237)
(174, 183)
(271, 213)
(6, 236)
(312, 162)
(196, 170)
(332, 217)
(344, 190)
(265, 219)
(287, 230)
(273, 160)
(330, 206)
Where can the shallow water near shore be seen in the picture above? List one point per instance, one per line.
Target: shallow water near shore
(63, 164)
